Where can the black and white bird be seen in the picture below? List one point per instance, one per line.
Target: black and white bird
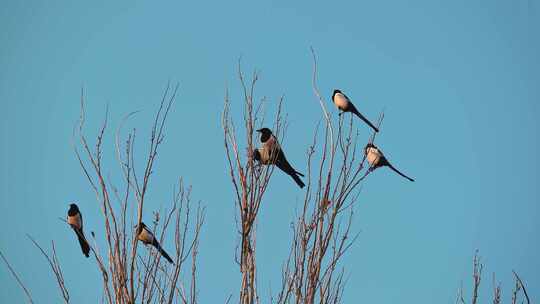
(344, 104)
(75, 220)
(271, 154)
(376, 159)
(147, 237)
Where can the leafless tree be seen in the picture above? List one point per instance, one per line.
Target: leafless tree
(55, 268)
(322, 231)
(18, 279)
(128, 274)
(250, 181)
(497, 295)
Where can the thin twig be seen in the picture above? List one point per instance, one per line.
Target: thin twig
(29, 297)
(522, 286)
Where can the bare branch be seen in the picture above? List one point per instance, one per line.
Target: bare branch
(518, 279)
(28, 296)
(55, 266)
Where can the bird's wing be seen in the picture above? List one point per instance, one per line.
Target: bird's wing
(383, 161)
(272, 149)
(346, 97)
(146, 236)
(282, 163)
(353, 109)
(285, 166)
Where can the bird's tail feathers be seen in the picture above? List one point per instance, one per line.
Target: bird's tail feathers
(162, 251)
(298, 180)
(398, 172)
(355, 111)
(85, 247)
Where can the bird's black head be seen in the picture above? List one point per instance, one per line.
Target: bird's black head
(369, 145)
(335, 92)
(142, 225)
(138, 229)
(73, 209)
(265, 134)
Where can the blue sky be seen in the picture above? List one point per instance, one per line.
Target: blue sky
(459, 81)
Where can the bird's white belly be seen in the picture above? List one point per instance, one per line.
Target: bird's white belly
(146, 237)
(341, 102)
(269, 151)
(373, 157)
(75, 220)
(265, 156)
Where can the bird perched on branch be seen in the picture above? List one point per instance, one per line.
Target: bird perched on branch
(75, 220)
(147, 237)
(271, 154)
(344, 104)
(376, 159)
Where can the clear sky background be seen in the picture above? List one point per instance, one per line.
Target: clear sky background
(460, 82)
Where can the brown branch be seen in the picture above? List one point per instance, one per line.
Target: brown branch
(322, 230)
(55, 266)
(518, 279)
(125, 277)
(477, 276)
(249, 180)
(496, 292)
(19, 281)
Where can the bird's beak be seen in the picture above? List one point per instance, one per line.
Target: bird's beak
(259, 130)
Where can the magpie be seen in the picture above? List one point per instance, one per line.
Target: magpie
(147, 237)
(344, 104)
(75, 220)
(376, 159)
(271, 154)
